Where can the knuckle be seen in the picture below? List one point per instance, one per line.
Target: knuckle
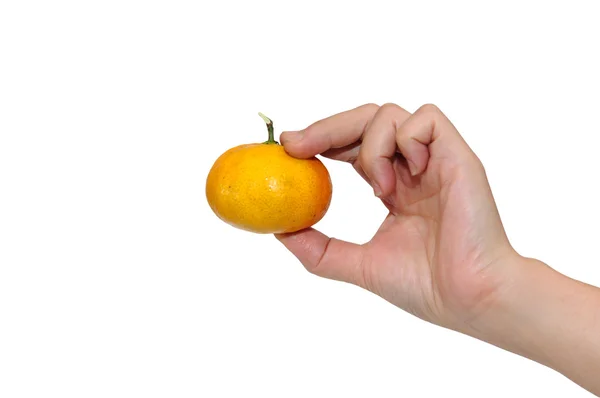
(471, 165)
(389, 107)
(364, 158)
(372, 107)
(478, 164)
(319, 265)
(368, 162)
(401, 132)
(430, 109)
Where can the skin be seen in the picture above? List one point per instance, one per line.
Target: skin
(442, 253)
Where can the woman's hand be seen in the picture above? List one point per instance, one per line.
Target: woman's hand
(441, 253)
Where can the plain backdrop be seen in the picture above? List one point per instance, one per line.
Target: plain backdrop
(117, 280)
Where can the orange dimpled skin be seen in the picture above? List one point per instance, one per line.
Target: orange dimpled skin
(261, 188)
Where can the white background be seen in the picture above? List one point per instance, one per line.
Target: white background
(116, 280)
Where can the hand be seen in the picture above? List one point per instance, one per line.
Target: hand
(441, 253)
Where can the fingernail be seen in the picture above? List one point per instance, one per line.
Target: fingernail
(376, 189)
(292, 136)
(413, 168)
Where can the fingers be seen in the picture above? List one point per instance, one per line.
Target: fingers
(337, 131)
(326, 257)
(372, 135)
(428, 132)
(379, 148)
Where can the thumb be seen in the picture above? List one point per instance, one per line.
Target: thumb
(326, 257)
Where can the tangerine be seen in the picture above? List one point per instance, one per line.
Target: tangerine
(260, 188)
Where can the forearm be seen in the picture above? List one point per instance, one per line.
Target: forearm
(549, 318)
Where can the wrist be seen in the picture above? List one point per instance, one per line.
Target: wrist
(547, 317)
(522, 308)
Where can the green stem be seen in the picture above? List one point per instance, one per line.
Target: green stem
(269, 123)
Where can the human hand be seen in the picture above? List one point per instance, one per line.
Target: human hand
(441, 253)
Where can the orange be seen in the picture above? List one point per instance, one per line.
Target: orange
(261, 188)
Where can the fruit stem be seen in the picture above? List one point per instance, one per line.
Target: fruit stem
(269, 123)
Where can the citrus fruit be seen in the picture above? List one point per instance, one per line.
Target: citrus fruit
(260, 188)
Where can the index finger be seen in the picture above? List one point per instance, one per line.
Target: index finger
(337, 131)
